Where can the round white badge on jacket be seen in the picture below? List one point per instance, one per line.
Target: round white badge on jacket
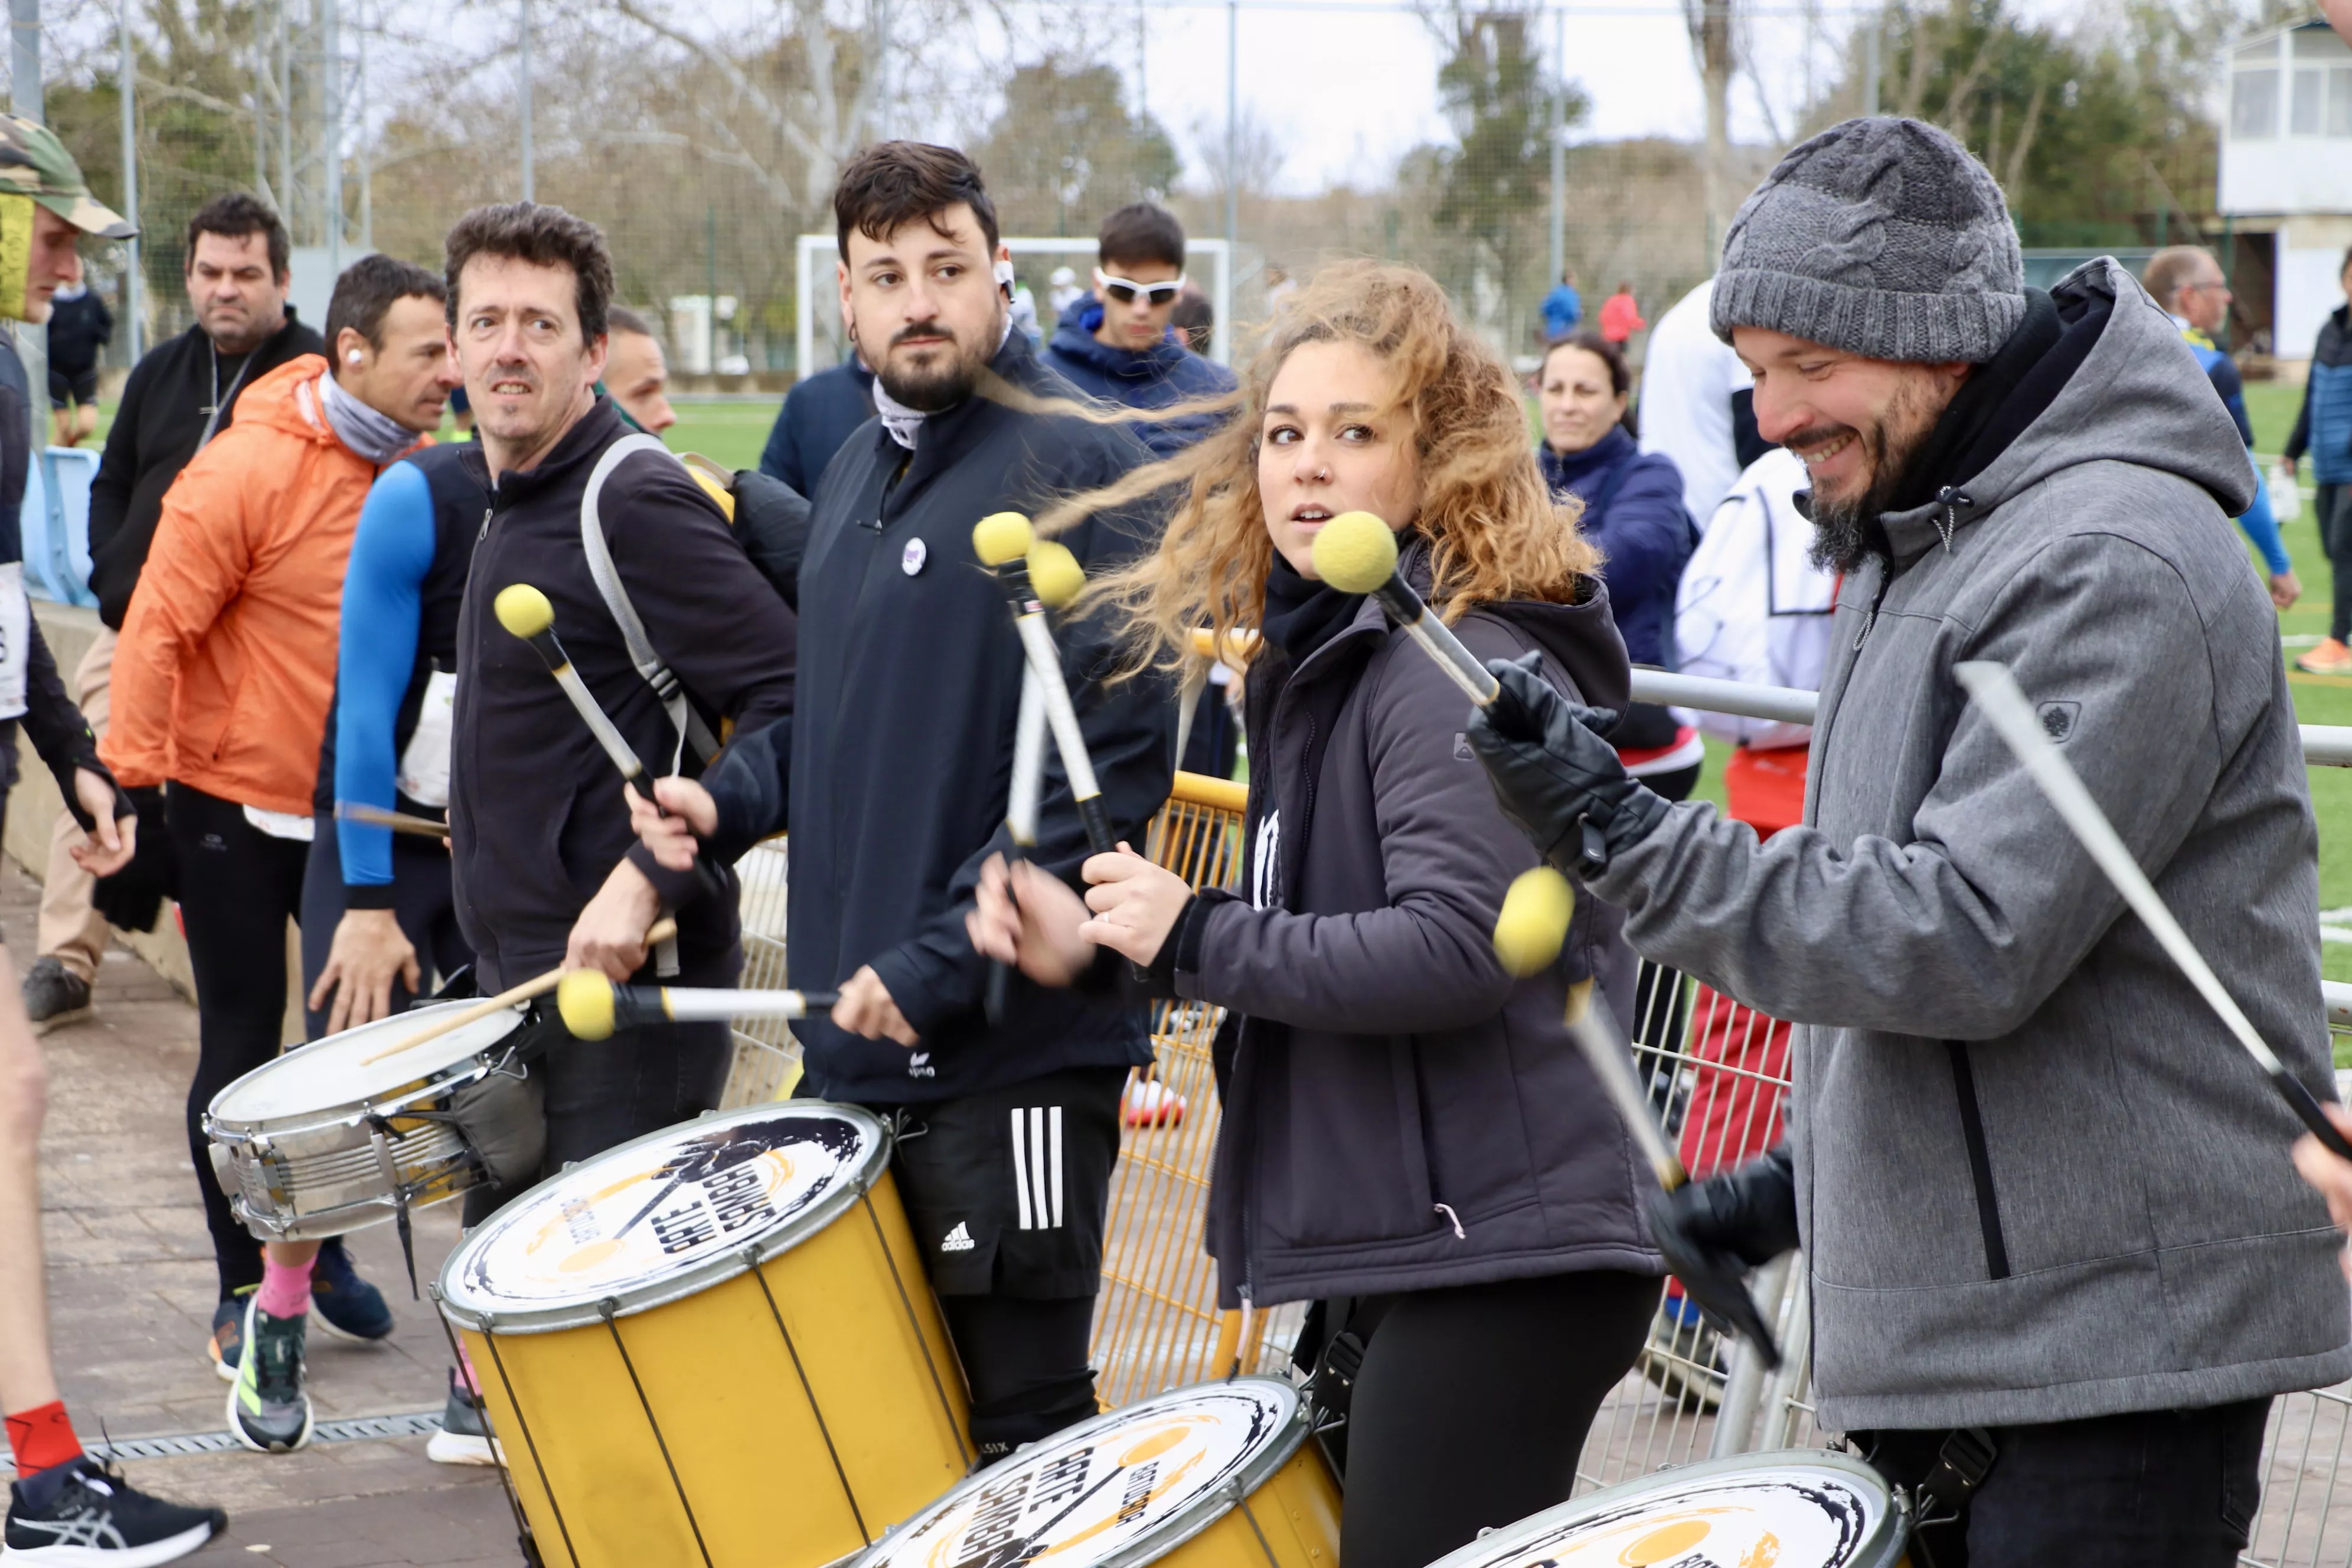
(911, 560)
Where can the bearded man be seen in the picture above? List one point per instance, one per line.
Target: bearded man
(894, 787)
(2060, 1264)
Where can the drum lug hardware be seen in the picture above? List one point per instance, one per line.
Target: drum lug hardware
(380, 1139)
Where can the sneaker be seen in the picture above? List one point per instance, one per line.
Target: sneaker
(55, 995)
(1150, 1103)
(2330, 657)
(85, 1514)
(269, 1410)
(346, 1305)
(229, 1333)
(465, 1435)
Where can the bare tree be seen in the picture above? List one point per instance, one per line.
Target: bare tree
(1713, 38)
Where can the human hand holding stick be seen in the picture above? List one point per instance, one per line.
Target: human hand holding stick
(537, 985)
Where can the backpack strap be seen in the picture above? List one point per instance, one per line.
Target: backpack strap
(682, 717)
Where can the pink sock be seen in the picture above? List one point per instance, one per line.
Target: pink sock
(285, 1288)
(466, 1370)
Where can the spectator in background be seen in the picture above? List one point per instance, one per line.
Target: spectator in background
(1118, 347)
(1194, 319)
(636, 372)
(1698, 404)
(1065, 290)
(179, 397)
(2323, 428)
(1619, 317)
(818, 416)
(80, 325)
(2187, 282)
(1563, 308)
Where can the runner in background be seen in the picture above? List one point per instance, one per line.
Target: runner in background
(1620, 318)
(64, 1505)
(80, 325)
(224, 683)
(180, 395)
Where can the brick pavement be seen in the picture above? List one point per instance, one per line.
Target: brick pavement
(131, 1292)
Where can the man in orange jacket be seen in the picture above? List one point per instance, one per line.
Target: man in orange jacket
(223, 682)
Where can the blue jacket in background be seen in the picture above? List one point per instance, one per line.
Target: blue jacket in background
(2260, 524)
(2323, 428)
(1162, 374)
(1634, 510)
(1563, 308)
(818, 416)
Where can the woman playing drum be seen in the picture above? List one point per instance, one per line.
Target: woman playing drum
(1410, 1137)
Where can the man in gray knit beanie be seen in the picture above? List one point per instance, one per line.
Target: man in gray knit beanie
(2060, 1265)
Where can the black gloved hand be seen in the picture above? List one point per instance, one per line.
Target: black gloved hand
(1748, 1213)
(134, 896)
(1559, 782)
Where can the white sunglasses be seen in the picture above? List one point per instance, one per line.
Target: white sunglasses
(1123, 290)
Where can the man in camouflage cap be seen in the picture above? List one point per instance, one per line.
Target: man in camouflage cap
(64, 1505)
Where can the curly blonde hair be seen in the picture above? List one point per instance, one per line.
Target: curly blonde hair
(1494, 529)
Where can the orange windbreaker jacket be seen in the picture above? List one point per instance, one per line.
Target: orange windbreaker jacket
(226, 671)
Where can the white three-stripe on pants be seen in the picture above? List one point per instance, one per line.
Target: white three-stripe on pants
(1037, 1165)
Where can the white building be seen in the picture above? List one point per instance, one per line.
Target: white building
(2286, 170)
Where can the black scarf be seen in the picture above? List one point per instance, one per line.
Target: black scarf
(1302, 616)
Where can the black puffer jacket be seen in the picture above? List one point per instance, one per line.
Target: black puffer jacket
(1399, 1114)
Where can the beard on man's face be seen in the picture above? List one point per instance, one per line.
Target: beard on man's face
(946, 376)
(1846, 530)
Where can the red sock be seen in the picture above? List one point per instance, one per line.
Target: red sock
(42, 1438)
(285, 1287)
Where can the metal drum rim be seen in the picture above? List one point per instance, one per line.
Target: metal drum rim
(694, 1279)
(438, 1081)
(1883, 1552)
(1178, 1529)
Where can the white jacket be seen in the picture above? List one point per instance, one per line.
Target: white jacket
(1752, 605)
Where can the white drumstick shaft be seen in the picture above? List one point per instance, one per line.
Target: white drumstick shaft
(1037, 642)
(623, 756)
(1028, 761)
(2004, 705)
(1595, 1031)
(696, 1005)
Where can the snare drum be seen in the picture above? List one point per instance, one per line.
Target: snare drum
(713, 1344)
(1799, 1508)
(1219, 1475)
(315, 1144)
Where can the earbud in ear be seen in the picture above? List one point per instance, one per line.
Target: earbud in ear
(355, 356)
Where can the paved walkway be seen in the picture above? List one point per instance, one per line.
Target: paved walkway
(131, 1292)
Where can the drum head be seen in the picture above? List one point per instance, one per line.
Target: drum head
(1795, 1509)
(1118, 1490)
(326, 1075)
(662, 1216)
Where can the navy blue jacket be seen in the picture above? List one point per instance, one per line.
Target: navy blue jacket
(818, 416)
(2323, 428)
(893, 770)
(1166, 373)
(1634, 510)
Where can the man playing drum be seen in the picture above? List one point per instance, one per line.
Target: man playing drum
(1008, 1127)
(2060, 1261)
(64, 1505)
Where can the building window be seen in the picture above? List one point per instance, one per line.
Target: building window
(2339, 101)
(2254, 104)
(2305, 110)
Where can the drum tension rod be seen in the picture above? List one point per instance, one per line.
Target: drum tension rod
(606, 1309)
(527, 1542)
(1241, 1500)
(380, 1137)
(546, 1488)
(751, 1256)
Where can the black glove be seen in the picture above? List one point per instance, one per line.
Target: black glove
(134, 896)
(1559, 782)
(1749, 1215)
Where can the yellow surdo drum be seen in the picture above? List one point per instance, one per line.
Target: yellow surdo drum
(1219, 1475)
(713, 1344)
(1795, 1509)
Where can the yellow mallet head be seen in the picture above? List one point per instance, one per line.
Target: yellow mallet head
(1355, 552)
(1054, 575)
(1533, 925)
(584, 998)
(1000, 537)
(716, 482)
(523, 610)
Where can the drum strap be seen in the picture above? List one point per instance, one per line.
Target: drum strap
(1961, 1464)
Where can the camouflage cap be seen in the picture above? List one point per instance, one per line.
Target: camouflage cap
(33, 162)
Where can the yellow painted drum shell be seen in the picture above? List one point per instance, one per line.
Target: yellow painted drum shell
(1297, 1511)
(794, 1448)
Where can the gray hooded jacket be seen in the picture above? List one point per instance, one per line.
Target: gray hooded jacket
(2037, 1180)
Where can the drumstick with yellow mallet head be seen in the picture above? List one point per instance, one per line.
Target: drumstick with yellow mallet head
(527, 613)
(1055, 577)
(1356, 553)
(593, 1008)
(1996, 693)
(1029, 570)
(1528, 935)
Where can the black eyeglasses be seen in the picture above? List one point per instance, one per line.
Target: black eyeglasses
(1123, 290)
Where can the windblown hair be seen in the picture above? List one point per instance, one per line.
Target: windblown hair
(1494, 531)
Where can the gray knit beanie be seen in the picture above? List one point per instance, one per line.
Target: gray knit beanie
(1882, 237)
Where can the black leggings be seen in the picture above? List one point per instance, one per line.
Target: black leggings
(423, 904)
(2332, 509)
(1473, 1403)
(238, 887)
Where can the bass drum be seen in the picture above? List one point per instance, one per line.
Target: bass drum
(1219, 1475)
(1798, 1507)
(713, 1344)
